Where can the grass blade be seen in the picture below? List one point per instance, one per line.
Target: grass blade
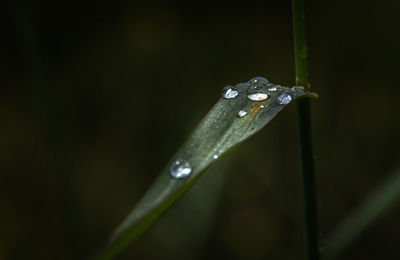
(373, 207)
(305, 136)
(221, 129)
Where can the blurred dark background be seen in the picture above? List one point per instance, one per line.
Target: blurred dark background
(96, 96)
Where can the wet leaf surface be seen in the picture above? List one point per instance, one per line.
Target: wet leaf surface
(241, 112)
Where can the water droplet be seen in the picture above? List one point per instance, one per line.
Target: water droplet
(262, 106)
(258, 82)
(257, 96)
(180, 169)
(284, 98)
(215, 156)
(229, 92)
(241, 113)
(272, 89)
(297, 88)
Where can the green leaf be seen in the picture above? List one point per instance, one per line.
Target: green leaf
(223, 127)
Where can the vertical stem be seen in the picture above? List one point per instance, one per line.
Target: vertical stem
(308, 180)
(304, 121)
(300, 44)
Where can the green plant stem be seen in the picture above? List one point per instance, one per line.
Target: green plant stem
(300, 44)
(308, 180)
(304, 121)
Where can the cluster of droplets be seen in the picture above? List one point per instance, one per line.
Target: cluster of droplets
(259, 89)
(256, 85)
(180, 169)
(255, 92)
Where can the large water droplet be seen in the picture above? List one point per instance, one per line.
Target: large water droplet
(257, 96)
(258, 82)
(284, 99)
(229, 92)
(180, 169)
(241, 113)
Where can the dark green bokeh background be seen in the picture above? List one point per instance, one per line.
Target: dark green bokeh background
(96, 97)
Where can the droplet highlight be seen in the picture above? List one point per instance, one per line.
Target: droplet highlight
(258, 82)
(241, 113)
(180, 169)
(215, 156)
(257, 96)
(229, 92)
(272, 89)
(284, 98)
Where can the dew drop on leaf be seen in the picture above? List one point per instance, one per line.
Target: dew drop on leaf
(284, 98)
(241, 113)
(180, 169)
(258, 82)
(257, 96)
(229, 92)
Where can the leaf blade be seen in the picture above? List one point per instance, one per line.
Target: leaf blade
(221, 129)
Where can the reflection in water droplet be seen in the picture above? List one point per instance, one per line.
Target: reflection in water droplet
(241, 113)
(180, 169)
(258, 82)
(284, 99)
(272, 89)
(229, 92)
(257, 96)
(215, 156)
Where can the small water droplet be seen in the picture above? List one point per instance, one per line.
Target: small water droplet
(272, 89)
(258, 82)
(262, 106)
(229, 92)
(215, 156)
(241, 113)
(180, 169)
(257, 96)
(297, 88)
(284, 99)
